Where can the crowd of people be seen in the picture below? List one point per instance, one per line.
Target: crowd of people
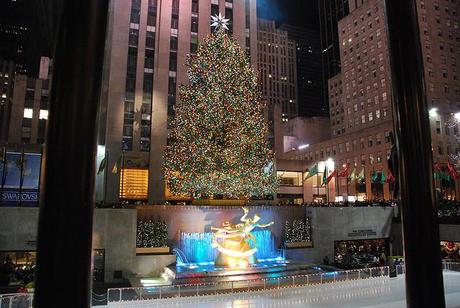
(450, 251)
(360, 254)
(11, 274)
(368, 203)
(449, 208)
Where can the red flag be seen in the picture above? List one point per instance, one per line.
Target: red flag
(437, 167)
(390, 177)
(333, 174)
(344, 172)
(452, 172)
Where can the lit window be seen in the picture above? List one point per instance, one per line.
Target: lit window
(134, 184)
(28, 113)
(43, 114)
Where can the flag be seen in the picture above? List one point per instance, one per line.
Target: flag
(361, 177)
(375, 177)
(383, 178)
(312, 171)
(333, 174)
(344, 172)
(116, 168)
(439, 173)
(324, 182)
(390, 177)
(102, 166)
(452, 172)
(353, 175)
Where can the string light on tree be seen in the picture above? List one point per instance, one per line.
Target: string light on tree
(217, 145)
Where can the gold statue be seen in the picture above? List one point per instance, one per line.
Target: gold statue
(234, 241)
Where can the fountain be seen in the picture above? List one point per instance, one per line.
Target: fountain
(197, 246)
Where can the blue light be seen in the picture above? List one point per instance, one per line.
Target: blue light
(196, 248)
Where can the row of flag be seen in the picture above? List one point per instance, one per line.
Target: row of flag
(447, 174)
(376, 177)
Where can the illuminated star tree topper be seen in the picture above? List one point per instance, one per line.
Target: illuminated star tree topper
(219, 21)
(218, 144)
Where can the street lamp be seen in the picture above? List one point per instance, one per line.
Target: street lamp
(433, 112)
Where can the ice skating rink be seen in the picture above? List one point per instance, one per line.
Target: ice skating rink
(374, 292)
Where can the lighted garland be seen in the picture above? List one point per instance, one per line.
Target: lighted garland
(218, 140)
(152, 233)
(297, 231)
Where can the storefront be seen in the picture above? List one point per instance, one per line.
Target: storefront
(361, 253)
(17, 267)
(20, 179)
(450, 251)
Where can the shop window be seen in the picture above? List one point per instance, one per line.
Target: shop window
(290, 178)
(134, 184)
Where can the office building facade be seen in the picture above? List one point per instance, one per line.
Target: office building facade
(146, 51)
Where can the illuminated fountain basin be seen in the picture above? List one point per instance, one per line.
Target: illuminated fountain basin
(195, 249)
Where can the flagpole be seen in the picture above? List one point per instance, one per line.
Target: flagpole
(347, 186)
(338, 184)
(122, 165)
(317, 180)
(3, 173)
(327, 184)
(106, 169)
(365, 181)
(21, 175)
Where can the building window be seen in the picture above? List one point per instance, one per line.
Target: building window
(438, 127)
(194, 25)
(133, 37)
(290, 178)
(173, 43)
(28, 113)
(195, 6)
(134, 184)
(193, 44)
(135, 11)
(149, 58)
(43, 115)
(147, 88)
(173, 61)
(152, 13)
(150, 40)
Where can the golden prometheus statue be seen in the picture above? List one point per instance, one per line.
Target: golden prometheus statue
(235, 243)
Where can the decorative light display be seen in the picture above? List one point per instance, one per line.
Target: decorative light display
(217, 145)
(152, 233)
(297, 231)
(235, 243)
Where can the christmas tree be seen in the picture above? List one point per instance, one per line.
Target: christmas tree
(217, 145)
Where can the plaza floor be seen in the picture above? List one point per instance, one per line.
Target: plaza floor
(374, 292)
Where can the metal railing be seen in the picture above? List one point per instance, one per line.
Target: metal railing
(446, 266)
(116, 295)
(451, 266)
(16, 300)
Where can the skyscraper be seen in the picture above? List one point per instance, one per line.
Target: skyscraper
(147, 46)
(330, 12)
(276, 58)
(309, 80)
(360, 96)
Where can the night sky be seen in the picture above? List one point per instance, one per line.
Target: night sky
(303, 13)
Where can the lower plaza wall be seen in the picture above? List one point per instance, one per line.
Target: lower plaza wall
(115, 231)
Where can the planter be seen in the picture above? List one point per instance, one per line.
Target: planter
(298, 244)
(220, 202)
(152, 250)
